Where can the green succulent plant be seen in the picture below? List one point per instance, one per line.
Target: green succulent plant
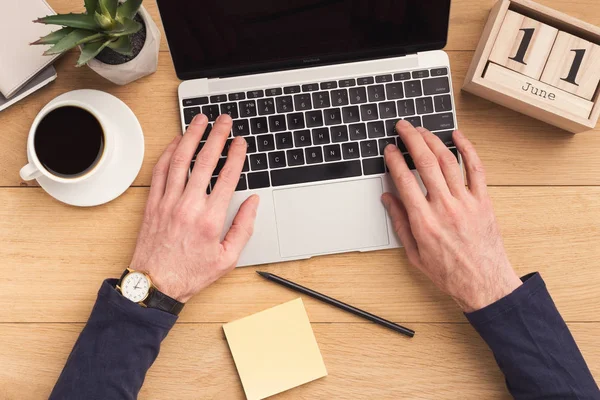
(106, 23)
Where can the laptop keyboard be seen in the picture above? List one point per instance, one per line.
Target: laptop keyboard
(327, 130)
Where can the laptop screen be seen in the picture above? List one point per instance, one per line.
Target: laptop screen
(233, 37)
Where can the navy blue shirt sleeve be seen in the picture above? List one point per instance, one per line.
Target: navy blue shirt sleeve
(114, 351)
(533, 346)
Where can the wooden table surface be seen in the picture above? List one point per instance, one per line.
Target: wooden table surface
(545, 184)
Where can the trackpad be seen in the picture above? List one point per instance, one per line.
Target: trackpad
(330, 218)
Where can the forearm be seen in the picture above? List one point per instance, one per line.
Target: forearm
(114, 351)
(533, 346)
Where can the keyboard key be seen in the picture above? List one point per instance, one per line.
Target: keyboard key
(284, 140)
(242, 184)
(295, 157)
(347, 83)
(383, 143)
(248, 108)
(351, 114)
(332, 116)
(320, 136)
(231, 109)
(199, 148)
(246, 167)
(237, 96)
(383, 78)
(219, 167)
(357, 132)
(266, 106)
(436, 85)
(295, 121)
(376, 93)
(368, 148)
(406, 108)
(321, 100)
(277, 159)
(316, 173)
(255, 94)
(414, 121)
(339, 97)
(368, 112)
(265, 143)
(220, 98)
(259, 125)
(258, 180)
(390, 127)
(212, 112)
(376, 129)
(198, 101)
(311, 87)
(394, 91)
(302, 102)
(332, 153)
(277, 123)
(314, 155)
(291, 89)
(339, 134)
(251, 141)
(258, 162)
(439, 71)
(190, 113)
(241, 127)
(455, 152)
(350, 151)
(302, 138)
(358, 95)
(420, 74)
(443, 103)
(274, 92)
(368, 80)
(439, 122)
(409, 162)
(446, 137)
(401, 145)
(328, 85)
(413, 89)
(314, 119)
(374, 166)
(387, 110)
(424, 105)
(402, 76)
(285, 104)
(226, 147)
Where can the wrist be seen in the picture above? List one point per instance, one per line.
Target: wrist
(485, 295)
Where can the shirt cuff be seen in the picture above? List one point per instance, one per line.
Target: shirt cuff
(150, 316)
(532, 283)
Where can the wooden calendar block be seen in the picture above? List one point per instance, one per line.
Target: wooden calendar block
(523, 44)
(573, 66)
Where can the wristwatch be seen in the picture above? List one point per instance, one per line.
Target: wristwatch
(137, 287)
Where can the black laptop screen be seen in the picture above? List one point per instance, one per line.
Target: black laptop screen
(230, 37)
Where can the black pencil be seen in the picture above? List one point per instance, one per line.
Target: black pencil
(338, 304)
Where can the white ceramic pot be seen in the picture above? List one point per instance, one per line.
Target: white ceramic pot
(144, 64)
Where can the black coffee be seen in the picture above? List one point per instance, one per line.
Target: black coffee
(69, 142)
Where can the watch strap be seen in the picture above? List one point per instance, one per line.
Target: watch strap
(157, 299)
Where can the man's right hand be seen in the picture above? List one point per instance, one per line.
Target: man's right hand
(451, 233)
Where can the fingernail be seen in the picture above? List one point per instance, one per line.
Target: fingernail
(199, 119)
(255, 201)
(389, 148)
(459, 134)
(385, 200)
(224, 118)
(403, 124)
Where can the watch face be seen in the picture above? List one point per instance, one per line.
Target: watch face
(135, 287)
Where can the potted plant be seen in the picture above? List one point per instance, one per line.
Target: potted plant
(118, 39)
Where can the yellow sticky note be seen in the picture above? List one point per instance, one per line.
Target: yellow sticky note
(275, 350)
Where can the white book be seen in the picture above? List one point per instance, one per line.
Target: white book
(39, 81)
(20, 62)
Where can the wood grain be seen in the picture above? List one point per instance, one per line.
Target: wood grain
(54, 257)
(364, 361)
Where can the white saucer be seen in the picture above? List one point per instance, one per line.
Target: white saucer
(124, 165)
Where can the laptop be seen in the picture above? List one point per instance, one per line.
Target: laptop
(316, 88)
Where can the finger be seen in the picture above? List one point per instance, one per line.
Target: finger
(424, 159)
(230, 176)
(401, 224)
(473, 165)
(242, 228)
(161, 172)
(408, 188)
(207, 159)
(182, 157)
(448, 163)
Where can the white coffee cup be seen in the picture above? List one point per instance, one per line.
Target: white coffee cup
(35, 169)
